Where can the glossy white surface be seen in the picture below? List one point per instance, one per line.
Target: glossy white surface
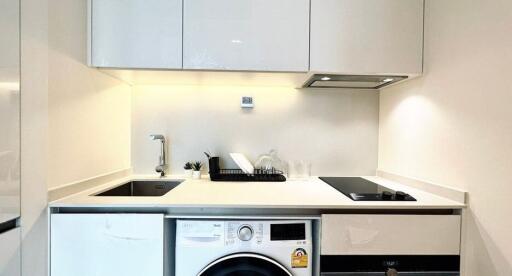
(107, 244)
(9, 39)
(10, 253)
(256, 35)
(199, 243)
(136, 34)
(9, 110)
(390, 234)
(300, 194)
(367, 36)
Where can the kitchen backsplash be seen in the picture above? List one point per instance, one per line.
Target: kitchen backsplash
(334, 130)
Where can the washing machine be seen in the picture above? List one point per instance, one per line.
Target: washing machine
(243, 247)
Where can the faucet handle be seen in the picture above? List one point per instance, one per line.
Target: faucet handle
(157, 137)
(161, 159)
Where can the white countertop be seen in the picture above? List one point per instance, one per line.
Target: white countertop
(311, 193)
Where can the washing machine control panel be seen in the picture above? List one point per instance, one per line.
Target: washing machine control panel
(257, 233)
(246, 233)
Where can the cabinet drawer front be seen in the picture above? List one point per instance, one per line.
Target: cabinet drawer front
(390, 235)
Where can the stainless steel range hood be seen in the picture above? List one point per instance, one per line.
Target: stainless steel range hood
(351, 81)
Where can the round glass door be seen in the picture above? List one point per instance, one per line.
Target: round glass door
(245, 264)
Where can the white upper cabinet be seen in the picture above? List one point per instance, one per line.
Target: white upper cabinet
(367, 36)
(136, 34)
(353, 37)
(253, 35)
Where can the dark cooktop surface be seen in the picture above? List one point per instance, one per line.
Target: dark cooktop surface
(360, 189)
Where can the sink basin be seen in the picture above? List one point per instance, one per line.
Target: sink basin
(142, 188)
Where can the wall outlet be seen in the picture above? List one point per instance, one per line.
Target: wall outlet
(247, 102)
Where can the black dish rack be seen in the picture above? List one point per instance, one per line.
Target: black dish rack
(259, 175)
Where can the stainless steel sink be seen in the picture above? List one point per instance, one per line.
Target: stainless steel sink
(142, 188)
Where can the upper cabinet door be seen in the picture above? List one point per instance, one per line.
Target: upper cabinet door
(367, 36)
(254, 35)
(136, 34)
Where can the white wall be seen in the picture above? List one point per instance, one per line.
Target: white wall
(454, 125)
(63, 103)
(34, 131)
(334, 130)
(89, 112)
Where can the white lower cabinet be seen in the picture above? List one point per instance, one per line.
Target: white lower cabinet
(10, 257)
(107, 244)
(390, 235)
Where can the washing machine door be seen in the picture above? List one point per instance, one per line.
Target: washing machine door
(245, 264)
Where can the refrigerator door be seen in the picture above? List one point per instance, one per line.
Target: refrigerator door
(9, 110)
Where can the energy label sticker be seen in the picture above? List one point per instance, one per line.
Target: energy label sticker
(299, 258)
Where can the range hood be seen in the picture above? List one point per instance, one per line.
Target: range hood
(351, 81)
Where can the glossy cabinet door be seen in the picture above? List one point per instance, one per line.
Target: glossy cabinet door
(367, 36)
(390, 235)
(107, 244)
(135, 33)
(253, 35)
(10, 254)
(9, 110)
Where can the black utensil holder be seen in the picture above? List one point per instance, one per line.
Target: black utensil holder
(213, 165)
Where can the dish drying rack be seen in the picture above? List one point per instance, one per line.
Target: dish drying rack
(259, 175)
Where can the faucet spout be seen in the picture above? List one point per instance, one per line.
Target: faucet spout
(161, 159)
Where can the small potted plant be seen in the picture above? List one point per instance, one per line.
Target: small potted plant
(188, 169)
(196, 174)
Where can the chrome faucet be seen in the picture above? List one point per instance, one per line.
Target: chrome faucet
(161, 160)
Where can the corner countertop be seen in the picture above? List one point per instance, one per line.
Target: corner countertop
(310, 193)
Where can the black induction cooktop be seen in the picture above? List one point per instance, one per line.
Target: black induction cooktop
(360, 189)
